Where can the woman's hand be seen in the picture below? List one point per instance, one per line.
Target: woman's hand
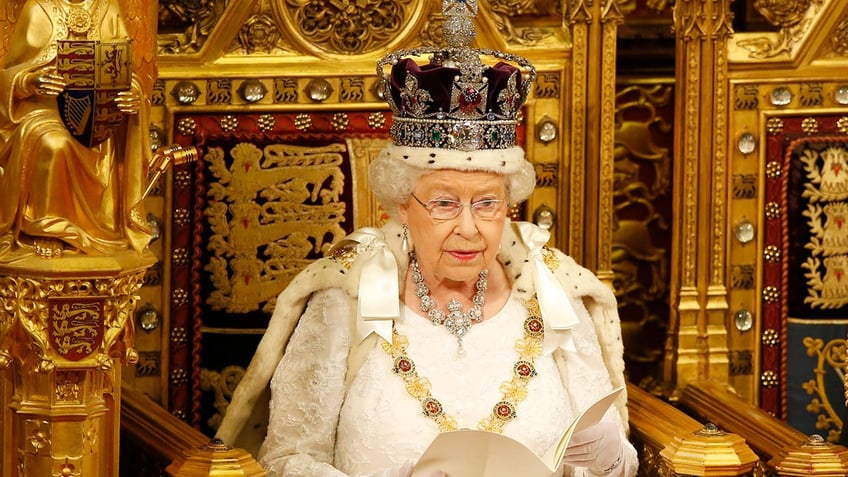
(597, 448)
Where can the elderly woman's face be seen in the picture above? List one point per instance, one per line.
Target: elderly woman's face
(456, 249)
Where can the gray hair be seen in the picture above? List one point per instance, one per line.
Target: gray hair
(392, 180)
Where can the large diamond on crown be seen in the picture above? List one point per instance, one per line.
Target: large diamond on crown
(466, 136)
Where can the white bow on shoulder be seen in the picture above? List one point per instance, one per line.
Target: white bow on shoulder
(558, 313)
(379, 302)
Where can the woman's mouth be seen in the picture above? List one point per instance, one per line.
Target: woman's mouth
(464, 255)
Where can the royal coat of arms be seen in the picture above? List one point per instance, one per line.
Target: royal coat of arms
(75, 326)
(95, 73)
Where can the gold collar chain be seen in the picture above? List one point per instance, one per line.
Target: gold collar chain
(528, 347)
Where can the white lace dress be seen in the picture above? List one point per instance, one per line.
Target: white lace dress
(317, 427)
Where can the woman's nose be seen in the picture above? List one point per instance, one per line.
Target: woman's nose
(467, 225)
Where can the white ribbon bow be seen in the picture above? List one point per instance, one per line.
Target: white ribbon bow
(558, 313)
(379, 304)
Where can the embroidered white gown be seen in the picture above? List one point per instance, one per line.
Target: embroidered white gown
(319, 428)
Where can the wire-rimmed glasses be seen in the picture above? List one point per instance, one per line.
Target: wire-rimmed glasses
(446, 209)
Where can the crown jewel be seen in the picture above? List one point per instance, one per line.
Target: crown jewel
(456, 101)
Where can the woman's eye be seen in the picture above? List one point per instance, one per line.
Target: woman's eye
(445, 204)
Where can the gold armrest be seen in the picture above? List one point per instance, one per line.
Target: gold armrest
(164, 434)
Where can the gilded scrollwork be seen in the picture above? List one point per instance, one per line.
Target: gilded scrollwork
(191, 21)
(839, 38)
(269, 210)
(830, 356)
(433, 32)
(503, 11)
(642, 176)
(222, 384)
(629, 6)
(793, 17)
(346, 27)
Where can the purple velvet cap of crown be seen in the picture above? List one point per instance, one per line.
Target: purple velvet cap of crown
(439, 82)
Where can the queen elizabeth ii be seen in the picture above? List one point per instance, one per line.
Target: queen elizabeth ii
(450, 316)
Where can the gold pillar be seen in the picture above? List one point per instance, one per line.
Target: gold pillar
(697, 341)
(592, 135)
(65, 331)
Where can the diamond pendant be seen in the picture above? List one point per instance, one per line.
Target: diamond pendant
(457, 322)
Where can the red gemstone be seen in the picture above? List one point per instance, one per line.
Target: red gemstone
(404, 365)
(535, 325)
(469, 100)
(524, 370)
(504, 410)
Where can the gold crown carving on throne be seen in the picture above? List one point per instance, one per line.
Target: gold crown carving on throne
(456, 101)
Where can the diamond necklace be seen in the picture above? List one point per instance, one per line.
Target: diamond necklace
(456, 321)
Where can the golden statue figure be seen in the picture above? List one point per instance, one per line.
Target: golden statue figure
(74, 143)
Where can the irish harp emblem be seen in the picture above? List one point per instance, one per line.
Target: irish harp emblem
(95, 72)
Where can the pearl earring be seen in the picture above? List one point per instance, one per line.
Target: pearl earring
(404, 244)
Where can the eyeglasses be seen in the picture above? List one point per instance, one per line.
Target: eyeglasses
(444, 209)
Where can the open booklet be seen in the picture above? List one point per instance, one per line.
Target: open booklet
(473, 453)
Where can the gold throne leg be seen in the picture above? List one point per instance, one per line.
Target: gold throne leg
(65, 331)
